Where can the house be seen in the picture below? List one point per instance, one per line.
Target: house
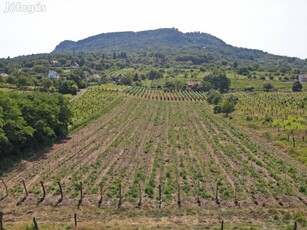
(53, 75)
(193, 83)
(120, 78)
(86, 74)
(54, 62)
(3, 75)
(94, 77)
(302, 78)
(75, 65)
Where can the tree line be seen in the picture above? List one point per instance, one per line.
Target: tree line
(31, 120)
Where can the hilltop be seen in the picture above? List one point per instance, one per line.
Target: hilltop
(167, 39)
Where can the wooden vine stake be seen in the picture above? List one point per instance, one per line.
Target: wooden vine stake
(61, 193)
(100, 200)
(179, 198)
(25, 187)
(26, 193)
(120, 196)
(35, 225)
(160, 196)
(81, 195)
(217, 195)
(222, 225)
(198, 194)
(40, 200)
(75, 220)
(236, 197)
(140, 196)
(295, 226)
(1, 221)
(6, 191)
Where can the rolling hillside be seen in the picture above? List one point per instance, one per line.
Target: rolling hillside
(163, 40)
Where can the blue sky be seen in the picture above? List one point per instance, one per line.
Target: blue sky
(275, 26)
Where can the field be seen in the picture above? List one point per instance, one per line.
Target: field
(280, 117)
(152, 159)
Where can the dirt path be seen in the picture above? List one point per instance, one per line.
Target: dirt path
(79, 94)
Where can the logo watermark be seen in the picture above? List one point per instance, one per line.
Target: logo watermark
(12, 7)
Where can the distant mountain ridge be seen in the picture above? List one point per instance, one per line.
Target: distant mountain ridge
(160, 39)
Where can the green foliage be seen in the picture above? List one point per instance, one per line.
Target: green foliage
(243, 70)
(217, 81)
(31, 120)
(267, 87)
(175, 85)
(297, 86)
(68, 87)
(214, 97)
(227, 107)
(249, 89)
(154, 74)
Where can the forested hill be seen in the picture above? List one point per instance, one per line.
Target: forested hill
(159, 40)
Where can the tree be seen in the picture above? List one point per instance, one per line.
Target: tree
(154, 74)
(227, 107)
(46, 84)
(136, 77)
(214, 97)
(39, 69)
(267, 87)
(22, 82)
(218, 81)
(297, 86)
(68, 86)
(243, 70)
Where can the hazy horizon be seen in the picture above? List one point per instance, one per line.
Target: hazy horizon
(274, 26)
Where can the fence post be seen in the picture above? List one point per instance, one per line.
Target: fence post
(44, 193)
(81, 192)
(217, 194)
(61, 193)
(140, 195)
(100, 200)
(222, 225)
(75, 219)
(26, 192)
(236, 198)
(179, 198)
(198, 195)
(25, 187)
(120, 196)
(295, 226)
(6, 190)
(35, 226)
(81, 195)
(160, 196)
(1, 221)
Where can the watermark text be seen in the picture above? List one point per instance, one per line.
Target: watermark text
(18, 7)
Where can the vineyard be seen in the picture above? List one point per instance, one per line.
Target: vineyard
(281, 117)
(165, 95)
(152, 161)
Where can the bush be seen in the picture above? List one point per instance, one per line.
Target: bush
(249, 88)
(214, 97)
(217, 81)
(297, 86)
(267, 87)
